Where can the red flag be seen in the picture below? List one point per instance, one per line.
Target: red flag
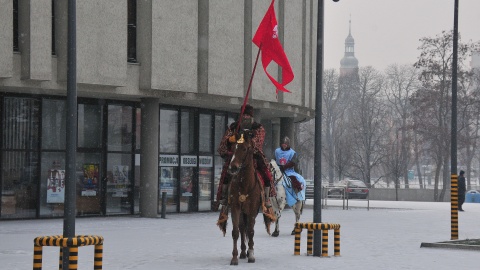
(266, 38)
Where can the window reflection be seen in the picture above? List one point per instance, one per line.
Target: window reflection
(89, 126)
(119, 128)
(168, 131)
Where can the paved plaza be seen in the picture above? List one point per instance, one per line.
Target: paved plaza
(386, 236)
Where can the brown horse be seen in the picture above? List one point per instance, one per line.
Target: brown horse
(245, 198)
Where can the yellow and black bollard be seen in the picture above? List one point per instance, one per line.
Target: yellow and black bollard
(324, 227)
(72, 243)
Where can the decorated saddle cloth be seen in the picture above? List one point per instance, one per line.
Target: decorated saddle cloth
(293, 195)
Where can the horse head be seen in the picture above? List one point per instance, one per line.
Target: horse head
(276, 172)
(242, 155)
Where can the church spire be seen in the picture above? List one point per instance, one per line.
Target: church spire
(350, 26)
(349, 64)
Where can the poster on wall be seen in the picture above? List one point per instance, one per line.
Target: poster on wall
(118, 182)
(90, 180)
(55, 186)
(186, 184)
(167, 180)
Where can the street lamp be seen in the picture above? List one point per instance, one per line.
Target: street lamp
(317, 192)
(453, 138)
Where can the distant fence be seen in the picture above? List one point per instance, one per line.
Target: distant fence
(390, 194)
(420, 195)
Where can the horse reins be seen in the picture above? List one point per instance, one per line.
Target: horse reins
(242, 198)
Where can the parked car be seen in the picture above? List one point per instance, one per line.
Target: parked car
(353, 188)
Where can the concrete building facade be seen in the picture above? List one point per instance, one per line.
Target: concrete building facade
(158, 82)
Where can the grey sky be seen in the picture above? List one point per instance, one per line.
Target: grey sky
(388, 31)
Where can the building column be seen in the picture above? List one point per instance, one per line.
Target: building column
(149, 158)
(275, 133)
(287, 128)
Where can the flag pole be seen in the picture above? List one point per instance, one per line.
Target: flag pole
(249, 87)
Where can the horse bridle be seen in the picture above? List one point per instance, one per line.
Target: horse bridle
(274, 172)
(242, 198)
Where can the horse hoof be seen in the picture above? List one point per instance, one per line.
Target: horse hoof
(234, 262)
(251, 260)
(243, 255)
(275, 234)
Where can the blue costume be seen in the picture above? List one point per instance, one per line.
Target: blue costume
(286, 158)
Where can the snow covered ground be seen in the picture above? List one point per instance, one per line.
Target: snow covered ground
(388, 236)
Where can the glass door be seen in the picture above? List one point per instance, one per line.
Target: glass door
(119, 182)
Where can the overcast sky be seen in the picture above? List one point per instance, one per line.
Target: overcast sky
(388, 31)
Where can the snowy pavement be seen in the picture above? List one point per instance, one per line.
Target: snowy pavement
(388, 236)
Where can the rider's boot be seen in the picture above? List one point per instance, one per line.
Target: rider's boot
(224, 200)
(268, 204)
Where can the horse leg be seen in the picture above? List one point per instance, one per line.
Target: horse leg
(243, 254)
(297, 209)
(277, 227)
(251, 232)
(235, 232)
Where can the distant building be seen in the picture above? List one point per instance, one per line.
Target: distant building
(349, 63)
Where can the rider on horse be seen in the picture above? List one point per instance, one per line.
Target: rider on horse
(225, 150)
(286, 159)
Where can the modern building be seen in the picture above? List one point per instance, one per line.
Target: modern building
(157, 81)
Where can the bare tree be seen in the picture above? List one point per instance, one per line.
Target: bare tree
(468, 119)
(367, 115)
(432, 104)
(336, 101)
(401, 82)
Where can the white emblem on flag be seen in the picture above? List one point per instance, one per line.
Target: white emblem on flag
(275, 31)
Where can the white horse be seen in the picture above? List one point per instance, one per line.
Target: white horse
(279, 202)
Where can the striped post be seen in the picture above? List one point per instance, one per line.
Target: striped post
(72, 243)
(60, 260)
(336, 242)
(98, 257)
(37, 258)
(454, 207)
(73, 258)
(310, 241)
(311, 227)
(324, 243)
(298, 234)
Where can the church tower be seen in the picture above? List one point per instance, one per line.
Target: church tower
(349, 64)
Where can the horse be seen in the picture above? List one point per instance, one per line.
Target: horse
(245, 198)
(279, 202)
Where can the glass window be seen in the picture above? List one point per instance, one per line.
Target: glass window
(53, 27)
(119, 184)
(89, 126)
(132, 31)
(138, 129)
(187, 133)
(120, 135)
(88, 183)
(136, 195)
(21, 123)
(187, 189)
(220, 129)
(168, 131)
(168, 183)
(205, 189)
(20, 182)
(205, 134)
(53, 124)
(52, 184)
(16, 47)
